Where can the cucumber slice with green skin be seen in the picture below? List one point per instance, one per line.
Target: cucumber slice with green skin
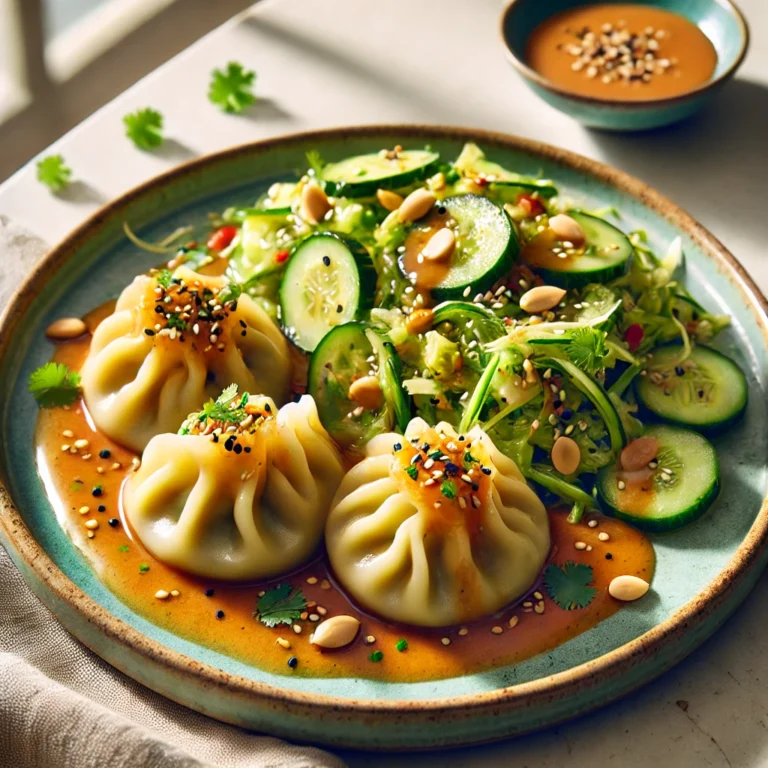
(510, 191)
(486, 326)
(651, 502)
(486, 249)
(362, 175)
(341, 357)
(548, 478)
(594, 393)
(329, 280)
(239, 215)
(259, 242)
(605, 255)
(707, 392)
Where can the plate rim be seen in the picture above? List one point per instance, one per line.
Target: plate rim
(556, 686)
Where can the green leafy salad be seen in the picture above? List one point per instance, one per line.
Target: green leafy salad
(463, 292)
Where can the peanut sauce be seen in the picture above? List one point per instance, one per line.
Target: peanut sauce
(679, 59)
(135, 576)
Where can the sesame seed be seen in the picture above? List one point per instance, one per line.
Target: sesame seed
(219, 614)
(580, 545)
(445, 640)
(603, 536)
(369, 640)
(325, 584)
(539, 607)
(68, 433)
(621, 485)
(175, 593)
(161, 594)
(82, 443)
(312, 580)
(527, 604)
(84, 510)
(538, 595)
(592, 523)
(314, 617)
(113, 522)
(293, 662)
(513, 622)
(321, 610)
(283, 643)
(463, 631)
(497, 630)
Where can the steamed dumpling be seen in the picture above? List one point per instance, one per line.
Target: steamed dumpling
(443, 539)
(169, 345)
(243, 494)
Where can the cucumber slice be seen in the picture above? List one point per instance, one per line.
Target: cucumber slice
(239, 215)
(362, 175)
(649, 501)
(604, 256)
(341, 357)
(510, 191)
(596, 395)
(486, 326)
(330, 280)
(486, 248)
(707, 392)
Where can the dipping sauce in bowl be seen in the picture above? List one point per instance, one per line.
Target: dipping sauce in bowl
(621, 52)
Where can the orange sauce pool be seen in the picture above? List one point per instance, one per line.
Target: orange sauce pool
(134, 576)
(676, 56)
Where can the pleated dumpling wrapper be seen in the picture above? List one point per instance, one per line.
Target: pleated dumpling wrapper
(172, 341)
(241, 493)
(445, 538)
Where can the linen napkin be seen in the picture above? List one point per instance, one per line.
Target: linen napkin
(61, 706)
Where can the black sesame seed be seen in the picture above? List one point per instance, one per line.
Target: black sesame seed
(102, 508)
(149, 332)
(475, 487)
(233, 306)
(485, 470)
(417, 458)
(441, 210)
(215, 438)
(609, 556)
(679, 371)
(327, 261)
(209, 593)
(462, 438)
(451, 468)
(114, 522)
(247, 449)
(567, 414)
(557, 403)
(339, 308)
(293, 662)
(267, 407)
(242, 324)
(397, 447)
(243, 333)
(238, 448)
(425, 447)
(434, 400)
(97, 491)
(105, 453)
(219, 614)
(229, 444)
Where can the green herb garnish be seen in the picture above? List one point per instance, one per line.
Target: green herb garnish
(376, 656)
(143, 568)
(230, 292)
(144, 128)
(402, 644)
(315, 162)
(412, 471)
(232, 89)
(123, 548)
(280, 605)
(569, 586)
(53, 172)
(587, 349)
(448, 489)
(164, 278)
(174, 321)
(53, 385)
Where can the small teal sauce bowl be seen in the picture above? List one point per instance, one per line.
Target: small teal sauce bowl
(720, 20)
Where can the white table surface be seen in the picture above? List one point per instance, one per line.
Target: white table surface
(340, 62)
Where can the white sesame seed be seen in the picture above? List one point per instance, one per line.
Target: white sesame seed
(68, 433)
(370, 640)
(161, 594)
(463, 631)
(513, 622)
(497, 630)
(621, 485)
(84, 510)
(175, 593)
(297, 628)
(82, 443)
(580, 545)
(592, 523)
(445, 640)
(92, 524)
(603, 536)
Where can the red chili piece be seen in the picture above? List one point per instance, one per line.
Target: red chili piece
(531, 205)
(281, 256)
(221, 238)
(634, 336)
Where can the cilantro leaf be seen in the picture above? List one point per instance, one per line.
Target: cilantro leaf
(175, 321)
(448, 489)
(569, 586)
(53, 384)
(315, 162)
(587, 349)
(164, 278)
(412, 471)
(232, 89)
(280, 605)
(144, 128)
(53, 172)
(229, 293)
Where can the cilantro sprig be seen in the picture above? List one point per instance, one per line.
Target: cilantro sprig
(587, 349)
(54, 385)
(232, 89)
(280, 605)
(144, 128)
(569, 586)
(54, 172)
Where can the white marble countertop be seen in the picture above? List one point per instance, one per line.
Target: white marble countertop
(350, 62)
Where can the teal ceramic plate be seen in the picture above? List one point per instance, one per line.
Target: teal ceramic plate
(703, 572)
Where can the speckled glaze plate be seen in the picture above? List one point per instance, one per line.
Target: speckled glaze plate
(703, 571)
